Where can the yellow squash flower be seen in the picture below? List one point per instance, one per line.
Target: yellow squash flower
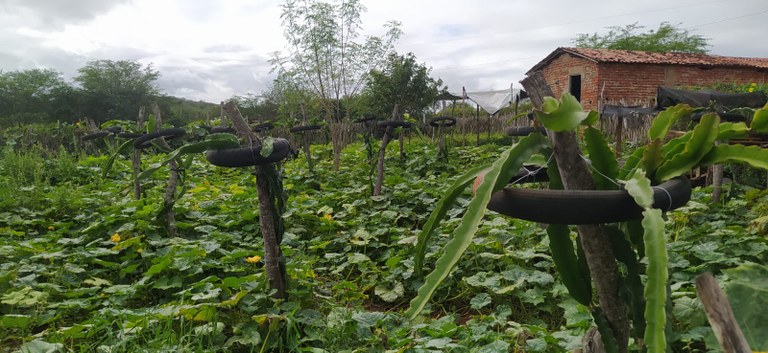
(115, 238)
(328, 216)
(253, 259)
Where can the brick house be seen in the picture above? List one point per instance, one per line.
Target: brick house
(633, 77)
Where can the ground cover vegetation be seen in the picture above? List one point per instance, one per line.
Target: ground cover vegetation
(87, 267)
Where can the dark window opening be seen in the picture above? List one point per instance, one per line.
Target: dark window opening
(575, 86)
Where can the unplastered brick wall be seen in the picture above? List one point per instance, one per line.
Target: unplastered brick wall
(559, 71)
(637, 83)
(640, 82)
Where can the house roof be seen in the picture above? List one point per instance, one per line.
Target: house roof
(646, 57)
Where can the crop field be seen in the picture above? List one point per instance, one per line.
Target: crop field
(86, 267)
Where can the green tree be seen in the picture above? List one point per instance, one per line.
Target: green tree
(403, 82)
(326, 55)
(36, 95)
(115, 89)
(667, 38)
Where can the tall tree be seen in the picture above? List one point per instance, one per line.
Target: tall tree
(667, 38)
(403, 82)
(326, 55)
(116, 89)
(36, 95)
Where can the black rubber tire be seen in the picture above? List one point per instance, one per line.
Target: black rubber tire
(394, 123)
(248, 156)
(525, 130)
(114, 129)
(263, 127)
(222, 129)
(363, 120)
(145, 141)
(95, 135)
(130, 135)
(304, 128)
(585, 206)
(442, 121)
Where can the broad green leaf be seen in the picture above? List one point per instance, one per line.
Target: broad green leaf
(591, 119)
(664, 121)
(497, 177)
(126, 147)
(15, 321)
(639, 187)
(480, 301)
(747, 292)
(443, 205)
(159, 266)
(602, 159)
(730, 130)
(760, 120)
(389, 292)
(752, 155)
(200, 313)
(701, 142)
(40, 346)
(550, 104)
(563, 117)
(267, 146)
(656, 285)
(566, 263)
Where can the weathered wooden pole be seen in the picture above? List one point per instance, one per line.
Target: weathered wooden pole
(173, 178)
(594, 238)
(382, 153)
(136, 160)
(270, 221)
(720, 315)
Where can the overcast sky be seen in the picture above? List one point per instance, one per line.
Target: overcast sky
(211, 50)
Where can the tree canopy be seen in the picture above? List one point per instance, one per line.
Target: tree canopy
(35, 95)
(326, 55)
(403, 82)
(115, 89)
(666, 38)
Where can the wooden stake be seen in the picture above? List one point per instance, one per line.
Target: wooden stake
(136, 160)
(720, 315)
(594, 238)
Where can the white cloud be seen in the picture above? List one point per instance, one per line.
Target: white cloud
(212, 50)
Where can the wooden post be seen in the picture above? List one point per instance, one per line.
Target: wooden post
(594, 238)
(720, 315)
(136, 160)
(382, 153)
(619, 133)
(270, 222)
(173, 178)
